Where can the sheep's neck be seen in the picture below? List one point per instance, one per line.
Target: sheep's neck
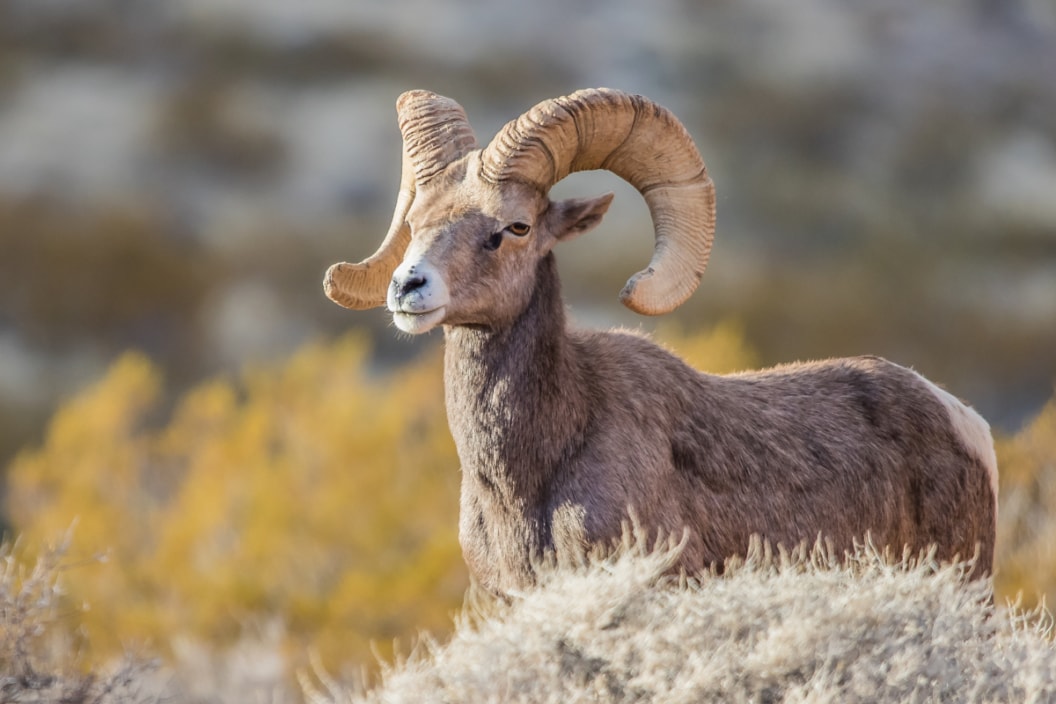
(516, 399)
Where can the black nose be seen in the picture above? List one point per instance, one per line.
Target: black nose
(411, 283)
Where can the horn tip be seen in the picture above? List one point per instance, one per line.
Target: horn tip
(328, 277)
(339, 292)
(642, 294)
(330, 287)
(631, 298)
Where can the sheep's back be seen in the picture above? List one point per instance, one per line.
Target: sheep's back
(840, 449)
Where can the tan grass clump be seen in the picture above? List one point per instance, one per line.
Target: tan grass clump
(778, 627)
(39, 660)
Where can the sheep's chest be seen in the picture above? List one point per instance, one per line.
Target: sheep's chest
(498, 548)
(502, 544)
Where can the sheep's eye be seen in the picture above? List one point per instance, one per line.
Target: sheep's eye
(519, 228)
(493, 242)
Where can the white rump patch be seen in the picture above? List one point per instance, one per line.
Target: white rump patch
(973, 430)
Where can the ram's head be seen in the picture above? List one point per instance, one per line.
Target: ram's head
(471, 224)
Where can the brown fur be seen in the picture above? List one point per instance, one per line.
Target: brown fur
(563, 434)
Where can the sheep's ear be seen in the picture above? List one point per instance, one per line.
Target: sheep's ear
(568, 219)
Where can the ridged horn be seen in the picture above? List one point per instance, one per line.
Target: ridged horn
(435, 133)
(647, 146)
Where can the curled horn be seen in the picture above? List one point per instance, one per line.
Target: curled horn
(644, 144)
(435, 133)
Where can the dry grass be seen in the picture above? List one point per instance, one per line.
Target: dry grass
(776, 628)
(38, 658)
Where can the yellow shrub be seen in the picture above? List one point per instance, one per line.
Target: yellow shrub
(309, 493)
(721, 350)
(1026, 526)
(322, 497)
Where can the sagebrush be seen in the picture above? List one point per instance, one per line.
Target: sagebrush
(39, 658)
(805, 626)
(779, 627)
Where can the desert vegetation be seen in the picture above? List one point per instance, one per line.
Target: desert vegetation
(781, 626)
(308, 510)
(778, 627)
(39, 654)
(252, 502)
(251, 489)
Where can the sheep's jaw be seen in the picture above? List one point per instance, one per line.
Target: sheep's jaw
(418, 323)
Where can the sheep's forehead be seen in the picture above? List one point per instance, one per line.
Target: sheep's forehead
(473, 201)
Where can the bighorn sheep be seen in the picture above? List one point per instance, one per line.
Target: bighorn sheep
(563, 433)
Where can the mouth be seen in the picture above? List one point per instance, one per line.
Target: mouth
(416, 323)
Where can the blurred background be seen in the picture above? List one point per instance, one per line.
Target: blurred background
(176, 176)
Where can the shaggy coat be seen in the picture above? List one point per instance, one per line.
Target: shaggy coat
(562, 433)
(566, 436)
